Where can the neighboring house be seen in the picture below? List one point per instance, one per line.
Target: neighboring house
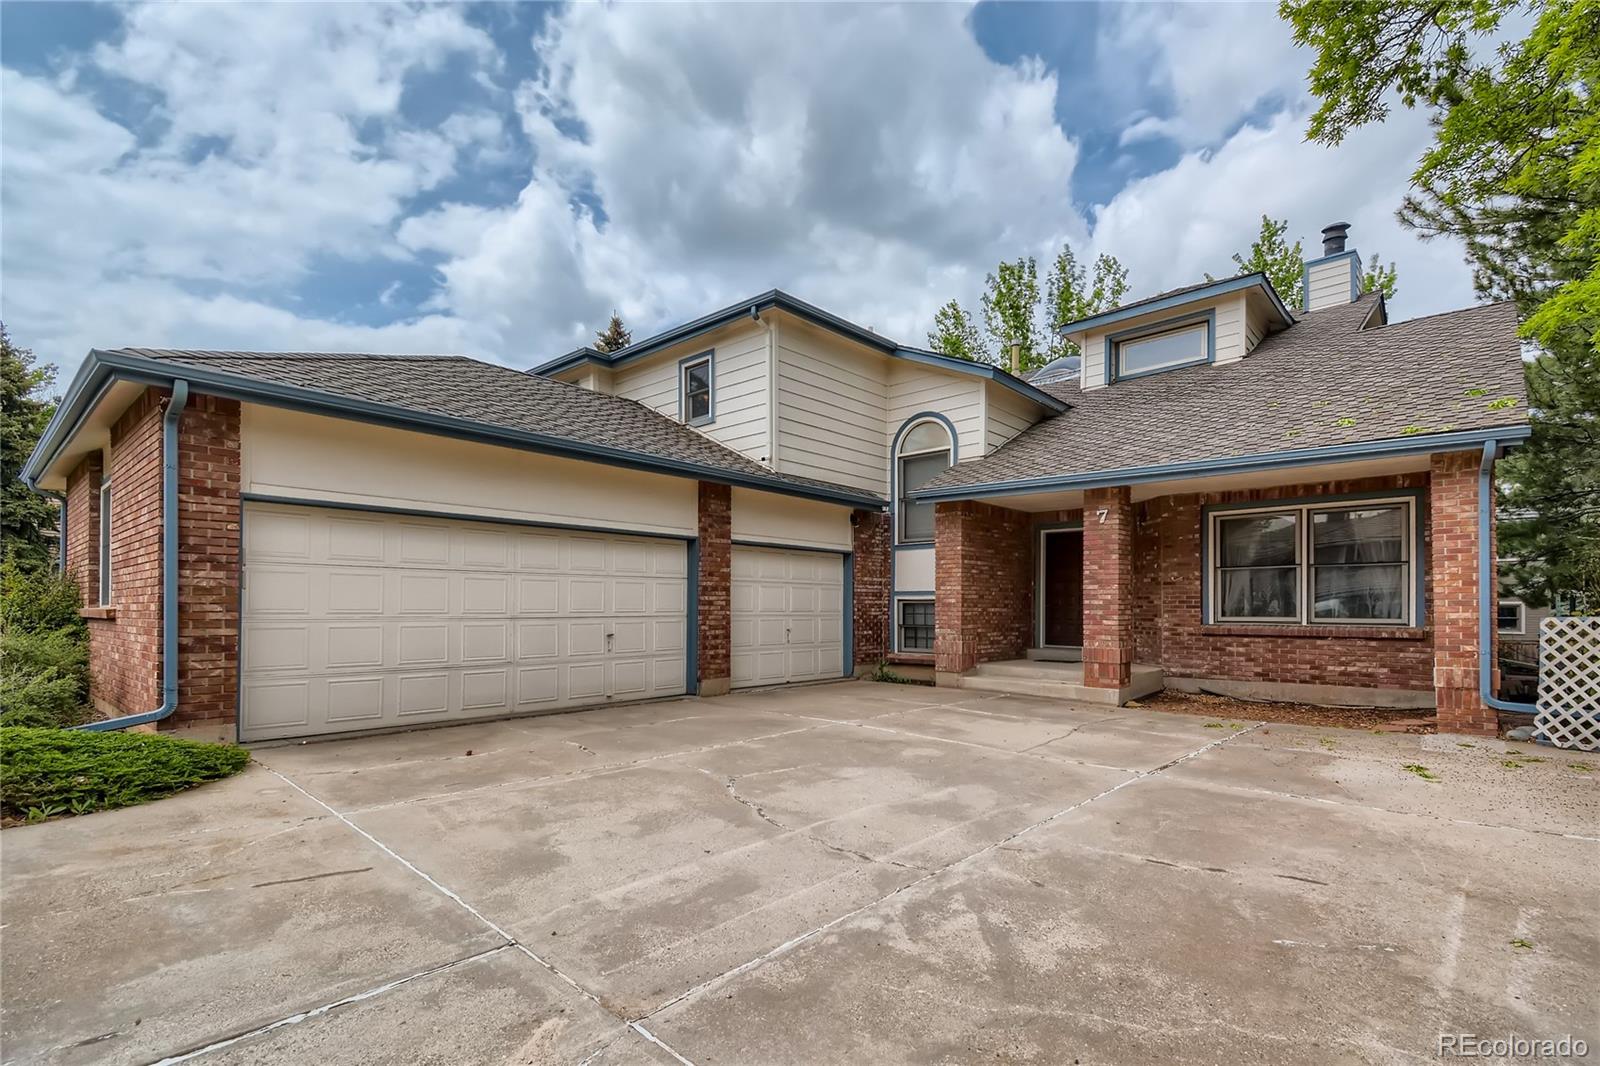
(1233, 495)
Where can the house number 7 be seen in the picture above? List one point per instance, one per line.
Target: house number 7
(1101, 514)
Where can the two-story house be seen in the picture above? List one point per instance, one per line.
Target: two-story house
(1231, 494)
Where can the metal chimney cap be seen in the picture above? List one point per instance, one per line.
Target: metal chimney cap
(1333, 238)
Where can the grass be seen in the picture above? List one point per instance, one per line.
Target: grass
(1519, 942)
(1420, 770)
(50, 772)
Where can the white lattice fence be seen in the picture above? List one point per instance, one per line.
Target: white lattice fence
(1569, 682)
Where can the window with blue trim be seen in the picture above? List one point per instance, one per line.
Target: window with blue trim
(695, 386)
(1164, 350)
(1314, 564)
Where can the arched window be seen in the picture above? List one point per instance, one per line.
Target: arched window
(924, 454)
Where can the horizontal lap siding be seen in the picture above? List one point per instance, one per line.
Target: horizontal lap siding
(741, 396)
(913, 389)
(831, 411)
(1007, 415)
(1230, 331)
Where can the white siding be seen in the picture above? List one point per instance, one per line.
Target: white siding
(739, 388)
(831, 417)
(1255, 323)
(1005, 415)
(913, 569)
(1231, 333)
(773, 519)
(1330, 282)
(1230, 330)
(914, 388)
(287, 454)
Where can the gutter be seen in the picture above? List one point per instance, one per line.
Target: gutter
(1486, 592)
(169, 571)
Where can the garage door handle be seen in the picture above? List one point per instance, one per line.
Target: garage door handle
(786, 632)
(609, 636)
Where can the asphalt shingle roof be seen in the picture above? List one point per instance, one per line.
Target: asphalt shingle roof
(494, 396)
(1323, 381)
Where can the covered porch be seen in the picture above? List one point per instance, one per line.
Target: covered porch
(1346, 583)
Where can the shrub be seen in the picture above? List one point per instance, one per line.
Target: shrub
(63, 650)
(46, 699)
(38, 600)
(44, 772)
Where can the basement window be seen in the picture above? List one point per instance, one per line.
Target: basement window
(1511, 618)
(916, 625)
(105, 543)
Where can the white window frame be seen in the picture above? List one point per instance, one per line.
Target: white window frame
(104, 546)
(707, 360)
(900, 604)
(1306, 582)
(900, 457)
(1522, 618)
(1202, 327)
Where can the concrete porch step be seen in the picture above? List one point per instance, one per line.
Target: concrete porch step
(1058, 680)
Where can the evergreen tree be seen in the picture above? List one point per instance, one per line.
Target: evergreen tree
(954, 333)
(29, 519)
(614, 337)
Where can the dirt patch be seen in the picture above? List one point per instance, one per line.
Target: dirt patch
(1381, 719)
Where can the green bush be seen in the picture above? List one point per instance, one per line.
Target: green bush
(62, 650)
(45, 699)
(45, 772)
(35, 601)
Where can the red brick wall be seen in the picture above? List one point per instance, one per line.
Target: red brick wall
(83, 527)
(1332, 655)
(1453, 589)
(1108, 565)
(983, 560)
(125, 651)
(716, 576)
(870, 545)
(1147, 582)
(208, 561)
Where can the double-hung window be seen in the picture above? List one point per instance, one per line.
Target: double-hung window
(105, 543)
(924, 455)
(1314, 564)
(694, 390)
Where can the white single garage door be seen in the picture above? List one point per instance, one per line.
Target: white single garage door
(788, 616)
(356, 620)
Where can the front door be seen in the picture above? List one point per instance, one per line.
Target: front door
(1061, 588)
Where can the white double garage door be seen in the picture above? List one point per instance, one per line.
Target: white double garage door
(355, 620)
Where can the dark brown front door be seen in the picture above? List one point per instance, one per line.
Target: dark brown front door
(1063, 588)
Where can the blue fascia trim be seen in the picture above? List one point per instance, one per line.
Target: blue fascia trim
(1487, 593)
(487, 519)
(169, 571)
(1169, 325)
(1422, 444)
(691, 666)
(709, 356)
(1355, 275)
(847, 653)
(1205, 292)
(1419, 604)
(780, 300)
(894, 466)
(106, 366)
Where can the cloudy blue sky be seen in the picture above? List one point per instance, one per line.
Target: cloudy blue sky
(494, 179)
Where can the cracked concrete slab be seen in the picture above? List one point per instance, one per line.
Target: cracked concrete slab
(843, 872)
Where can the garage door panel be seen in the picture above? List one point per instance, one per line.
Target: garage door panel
(353, 622)
(787, 616)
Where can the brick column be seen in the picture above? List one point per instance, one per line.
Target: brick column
(870, 612)
(208, 564)
(983, 586)
(83, 527)
(1453, 591)
(1108, 587)
(716, 588)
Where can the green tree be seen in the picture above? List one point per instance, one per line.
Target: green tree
(1073, 293)
(955, 333)
(614, 337)
(1010, 307)
(1380, 278)
(1272, 254)
(1514, 173)
(29, 519)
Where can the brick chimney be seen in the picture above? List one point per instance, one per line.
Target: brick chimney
(1334, 277)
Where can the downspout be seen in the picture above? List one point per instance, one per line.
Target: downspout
(169, 570)
(1486, 591)
(61, 531)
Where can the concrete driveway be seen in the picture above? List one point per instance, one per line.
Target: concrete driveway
(842, 873)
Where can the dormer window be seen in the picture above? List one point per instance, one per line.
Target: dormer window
(695, 406)
(1161, 347)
